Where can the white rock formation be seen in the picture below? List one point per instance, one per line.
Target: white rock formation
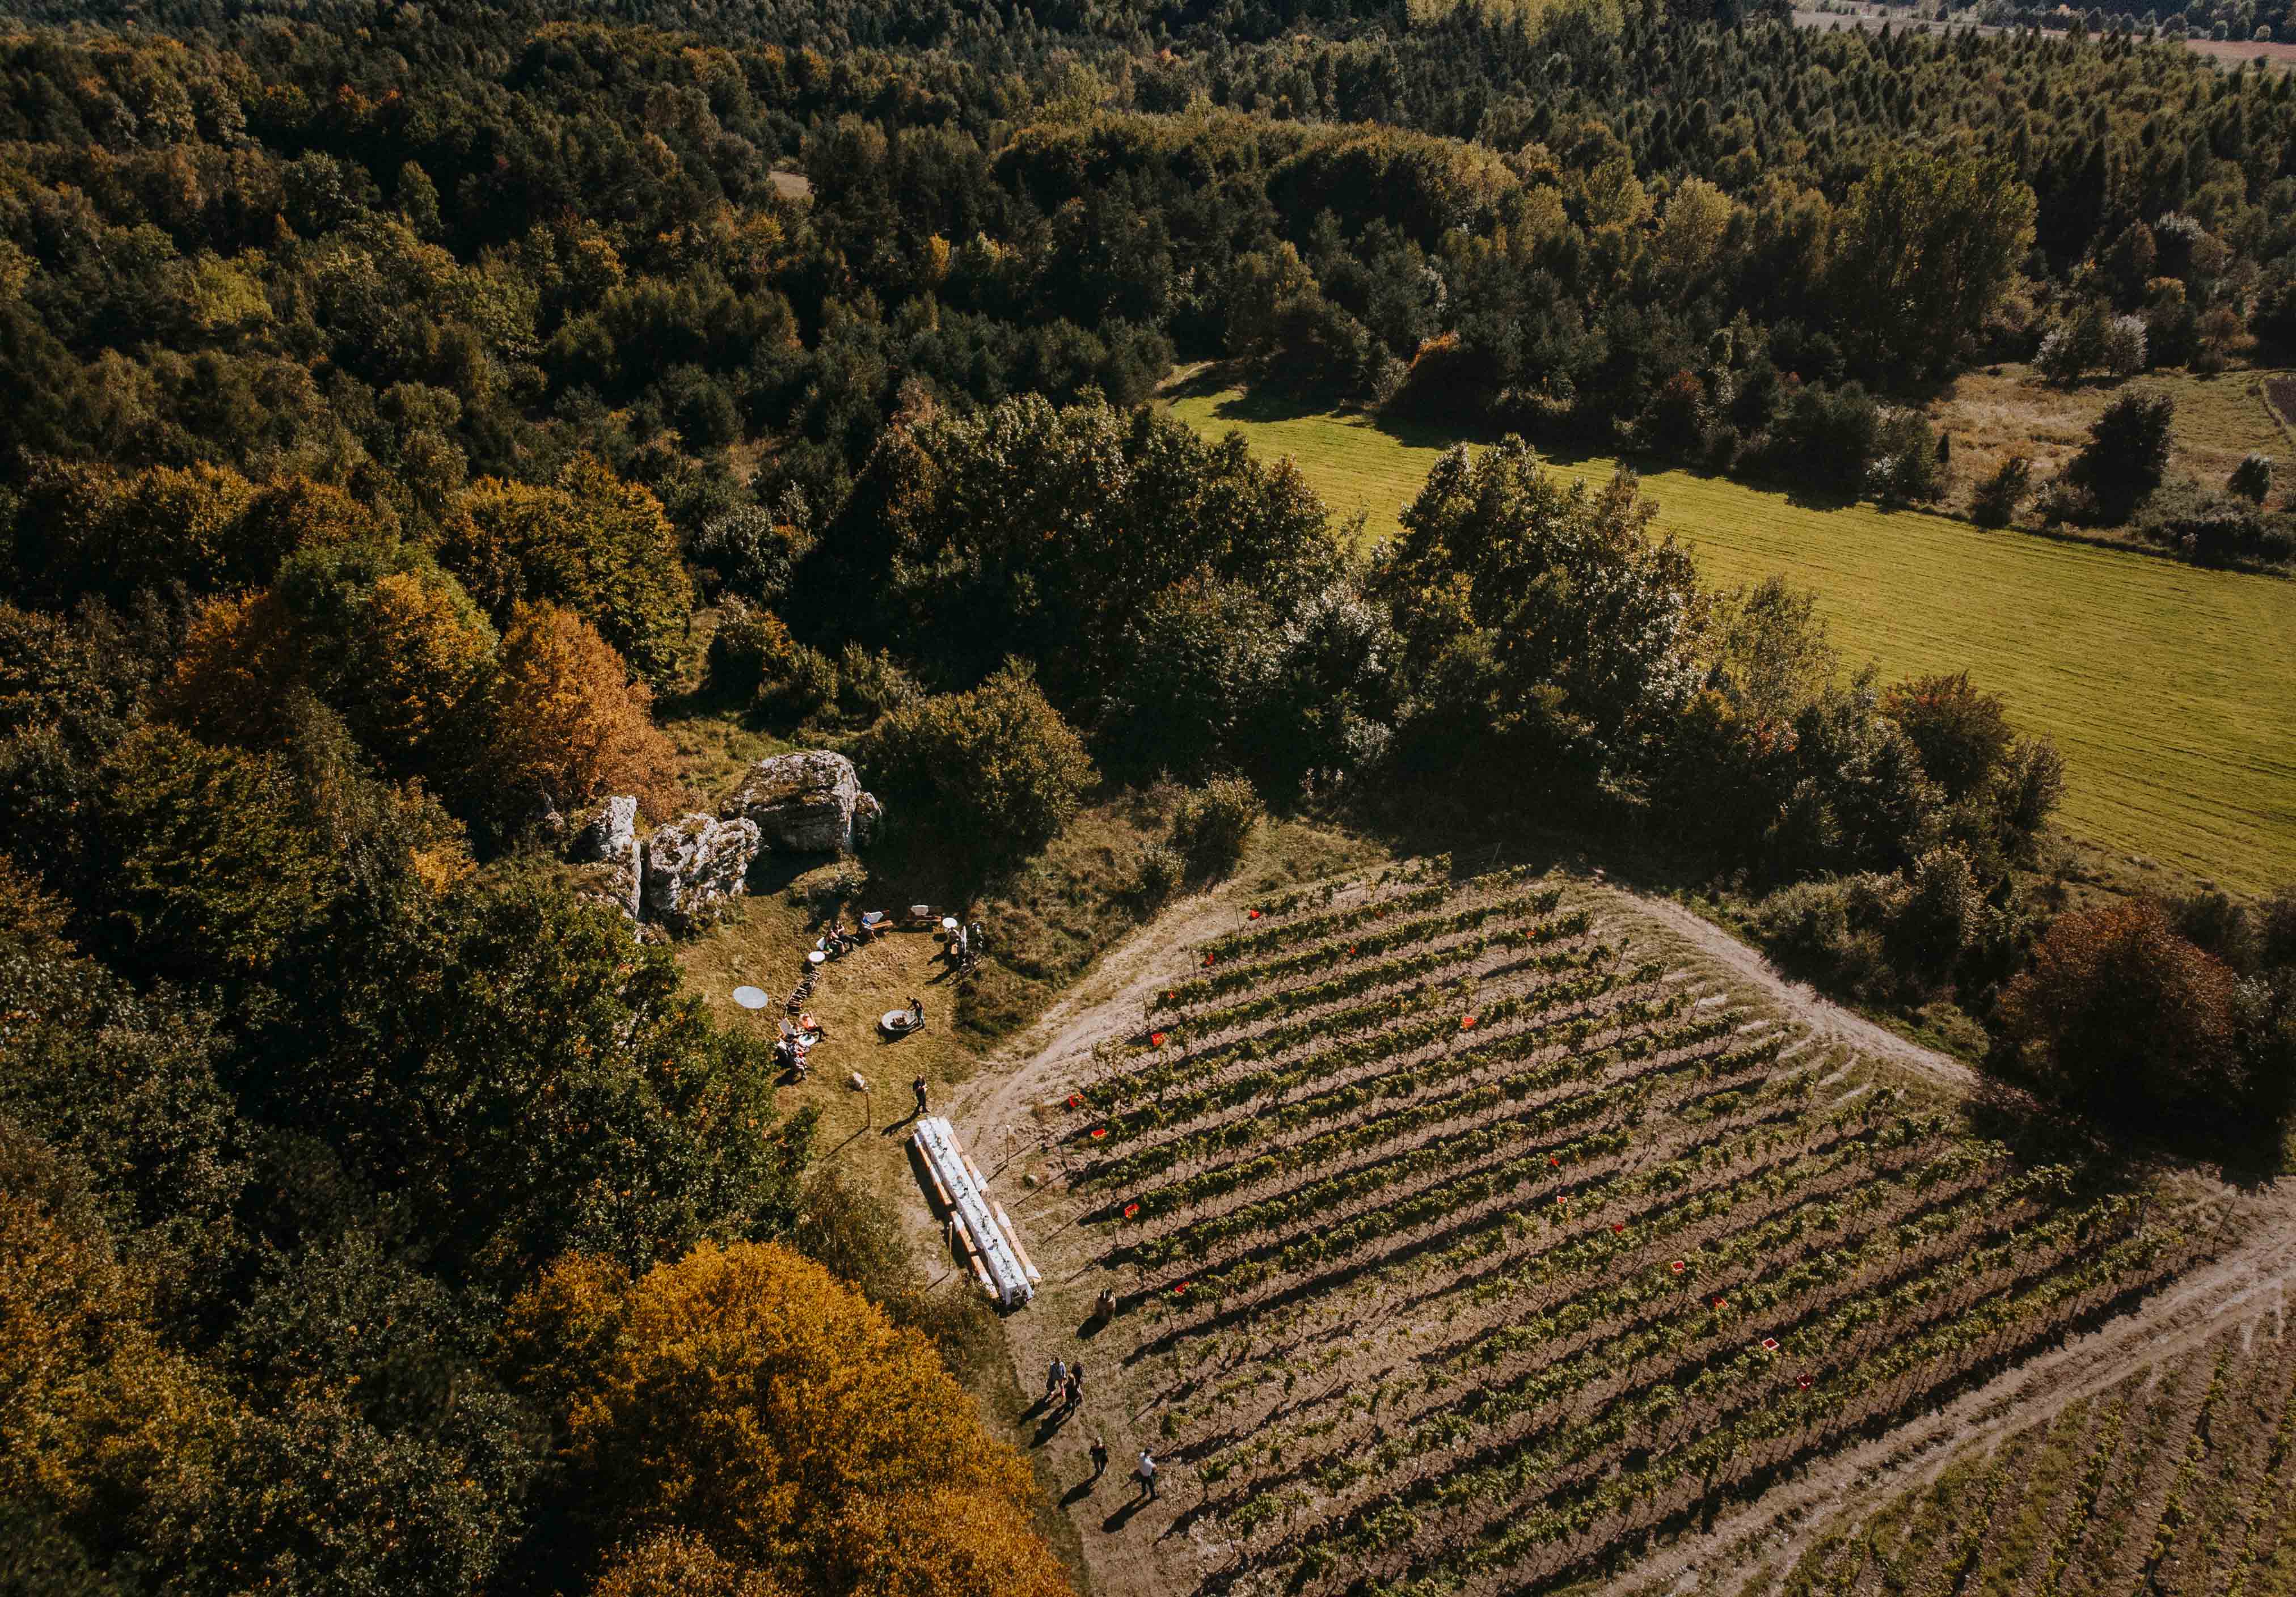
(807, 803)
(692, 866)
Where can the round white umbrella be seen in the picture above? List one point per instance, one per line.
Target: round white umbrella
(751, 997)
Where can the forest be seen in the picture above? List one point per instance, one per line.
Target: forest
(413, 415)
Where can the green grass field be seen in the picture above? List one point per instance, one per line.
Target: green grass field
(2171, 690)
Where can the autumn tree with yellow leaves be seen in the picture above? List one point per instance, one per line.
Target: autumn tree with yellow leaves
(744, 1396)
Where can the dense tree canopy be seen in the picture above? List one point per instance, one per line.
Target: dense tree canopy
(399, 399)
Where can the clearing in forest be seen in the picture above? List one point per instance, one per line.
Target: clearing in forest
(2170, 688)
(1472, 1234)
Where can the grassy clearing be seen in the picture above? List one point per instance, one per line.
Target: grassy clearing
(2171, 690)
(2005, 410)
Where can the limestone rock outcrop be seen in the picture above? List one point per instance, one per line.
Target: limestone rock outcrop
(692, 866)
(807, 803)
(605, 840)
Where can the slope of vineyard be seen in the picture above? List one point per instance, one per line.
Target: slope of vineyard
(2181, 1479)
(1459, 1243)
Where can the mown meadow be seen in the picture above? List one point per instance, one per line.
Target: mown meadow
(2170, 689)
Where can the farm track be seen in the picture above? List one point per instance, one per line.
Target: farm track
(2250, 1279)
(1318, 1238)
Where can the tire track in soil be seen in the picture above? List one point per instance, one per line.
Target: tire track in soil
(1822, 1016)
(1768, 1534)
(1773, 1532)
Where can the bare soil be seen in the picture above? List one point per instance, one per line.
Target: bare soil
(2248, 1282)
(1369, 1321)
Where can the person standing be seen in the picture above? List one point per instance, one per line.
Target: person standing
(1056, 1380)
(1074, 1397)
(918, 1087)
(1099, 1461)
(1147, 1474)
(917, 1010)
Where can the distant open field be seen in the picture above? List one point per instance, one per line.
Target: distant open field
(2171, 690)
(2229, 53)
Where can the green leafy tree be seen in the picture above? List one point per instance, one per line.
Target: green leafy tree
(1540, 618)
(1925, 245)
(214, 867)
(998, 762)
(509, 1066)
(2127, 454)
(588, 541)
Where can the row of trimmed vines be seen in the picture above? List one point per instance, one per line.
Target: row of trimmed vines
(1466, 1249)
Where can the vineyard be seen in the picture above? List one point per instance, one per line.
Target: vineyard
(1461, 1244)
(2181, 1479)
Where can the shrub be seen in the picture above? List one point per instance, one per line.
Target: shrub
(1908, 465)
(1834, 931)
(799, 685)
(2127, 454)
(1005, 772)
(2062, 499)
(2122, 352)
(2120, 1015)
(2252, 479)
(1158, 873)
(1996, 501)
(749, 646)
(1213, 824)
(870, 684)
(2212, 528)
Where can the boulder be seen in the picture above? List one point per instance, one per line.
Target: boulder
(868, 814)
(606, 839)
(692, 866)
(808, 803)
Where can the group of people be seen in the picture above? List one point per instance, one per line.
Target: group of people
(790, 1049)
(1063, 1396)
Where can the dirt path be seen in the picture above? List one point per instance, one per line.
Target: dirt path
(1766, 1537)
(1133, 1550)
(1142, 1552)
(1823, 1017)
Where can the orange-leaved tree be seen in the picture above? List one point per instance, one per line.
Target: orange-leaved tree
(679, 1563)
(2119, 1013)
(564, 724)
(746, 1396)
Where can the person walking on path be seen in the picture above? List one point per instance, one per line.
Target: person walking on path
(1099, 1461)
(918, 1087)
(1074, 1397)
(1056, 1381)
(1147, 1474)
